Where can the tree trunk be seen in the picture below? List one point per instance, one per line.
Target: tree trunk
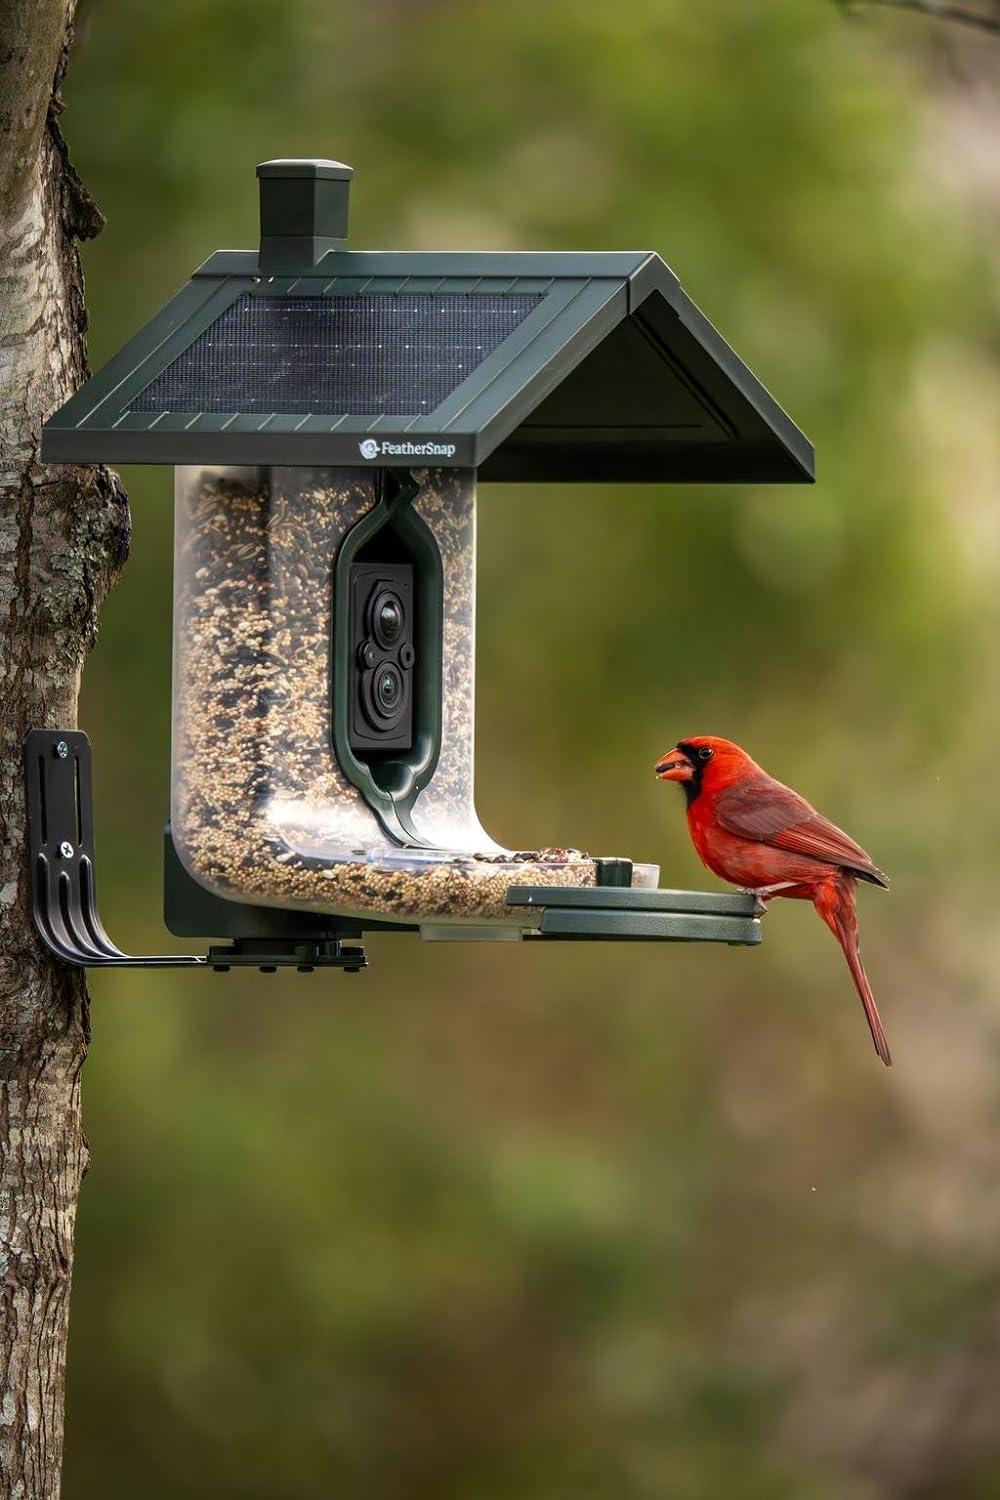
(63, 537)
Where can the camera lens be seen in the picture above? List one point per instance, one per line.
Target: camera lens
(384, 696)
(388, 689)
(390, 620)
(387, 617)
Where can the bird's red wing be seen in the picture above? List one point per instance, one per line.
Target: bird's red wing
(770, 813)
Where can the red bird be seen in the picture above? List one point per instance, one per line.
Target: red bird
(753, 831)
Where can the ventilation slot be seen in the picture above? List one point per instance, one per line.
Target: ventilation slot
(77, 814)
(43, 803)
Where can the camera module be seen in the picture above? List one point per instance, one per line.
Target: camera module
(382, 657)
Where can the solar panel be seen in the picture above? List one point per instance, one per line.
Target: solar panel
(381, 354)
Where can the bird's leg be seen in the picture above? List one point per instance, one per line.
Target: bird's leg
(765, 892)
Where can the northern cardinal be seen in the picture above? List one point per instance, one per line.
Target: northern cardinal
(753, 831)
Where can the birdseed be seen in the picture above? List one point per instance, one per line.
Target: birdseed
(261, 811)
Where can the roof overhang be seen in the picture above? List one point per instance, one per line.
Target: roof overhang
(614, 375)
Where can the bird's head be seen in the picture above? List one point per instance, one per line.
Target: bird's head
(703, 759)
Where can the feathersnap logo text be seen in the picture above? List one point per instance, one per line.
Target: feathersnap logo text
(374, 448)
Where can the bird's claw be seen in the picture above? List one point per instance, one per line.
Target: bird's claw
(759, 905)
(763, 893)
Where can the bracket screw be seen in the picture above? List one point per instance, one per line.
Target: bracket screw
(62, 749)
(66, 849)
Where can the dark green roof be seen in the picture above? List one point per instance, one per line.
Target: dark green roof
(594, 367)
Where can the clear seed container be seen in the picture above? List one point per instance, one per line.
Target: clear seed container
(272, 802)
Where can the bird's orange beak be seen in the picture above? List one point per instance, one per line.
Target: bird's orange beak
(674, 766)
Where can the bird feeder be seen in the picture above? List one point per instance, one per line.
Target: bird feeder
(329, 414)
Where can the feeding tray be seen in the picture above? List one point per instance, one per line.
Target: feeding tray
(661, 915)
(329, 413)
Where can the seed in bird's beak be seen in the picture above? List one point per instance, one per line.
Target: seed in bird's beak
(674, 767)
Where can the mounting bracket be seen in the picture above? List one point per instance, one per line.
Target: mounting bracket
(60, 805)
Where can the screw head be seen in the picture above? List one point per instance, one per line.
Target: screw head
(66, 849)
(62, 749)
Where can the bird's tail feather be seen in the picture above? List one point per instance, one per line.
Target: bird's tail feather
(836, 906)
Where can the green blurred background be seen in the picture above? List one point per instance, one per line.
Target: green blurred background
(586, 1222)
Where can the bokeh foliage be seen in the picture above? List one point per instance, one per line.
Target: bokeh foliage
(586, 1221)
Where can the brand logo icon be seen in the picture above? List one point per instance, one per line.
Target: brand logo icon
(369, 448)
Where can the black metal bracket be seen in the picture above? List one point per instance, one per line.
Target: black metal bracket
(60, 806)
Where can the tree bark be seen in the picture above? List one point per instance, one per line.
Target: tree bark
(63, 537)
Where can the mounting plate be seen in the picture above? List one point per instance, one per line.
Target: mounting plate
(60, 805)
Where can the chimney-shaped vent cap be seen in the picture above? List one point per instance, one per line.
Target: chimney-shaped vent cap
(303, 211)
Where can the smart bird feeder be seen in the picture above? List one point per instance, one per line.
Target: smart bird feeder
(328, 413)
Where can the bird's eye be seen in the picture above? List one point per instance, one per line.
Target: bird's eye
(705, 752)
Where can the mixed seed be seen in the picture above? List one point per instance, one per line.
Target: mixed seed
(261, 810)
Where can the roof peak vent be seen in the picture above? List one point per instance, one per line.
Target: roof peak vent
(303, 211)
